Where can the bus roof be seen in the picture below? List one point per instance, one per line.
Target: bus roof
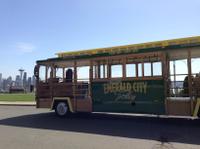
(126, 49)
(134, 48)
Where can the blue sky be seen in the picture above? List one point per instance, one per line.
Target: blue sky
(37, 29)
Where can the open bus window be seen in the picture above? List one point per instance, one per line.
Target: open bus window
(130, 70)
(42, 72)
(116, 71)
(178, 75)
(83, 73)
(59, 74)
(48, 72)
(195, 62)
(157, 68)
(178, 67)
(147, 69)
(68, 74)
(179, 86)
(181, 67)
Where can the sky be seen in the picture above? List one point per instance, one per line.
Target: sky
(32, 30)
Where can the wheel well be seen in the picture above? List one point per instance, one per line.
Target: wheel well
(57, 101)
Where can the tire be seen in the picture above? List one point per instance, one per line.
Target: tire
(61, 109)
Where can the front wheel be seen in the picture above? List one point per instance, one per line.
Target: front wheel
(61, 109)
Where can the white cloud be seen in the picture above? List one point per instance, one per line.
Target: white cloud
(25, 47)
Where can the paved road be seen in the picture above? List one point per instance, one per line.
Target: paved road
(30, 128)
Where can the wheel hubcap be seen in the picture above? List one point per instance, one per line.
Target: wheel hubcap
(62, 108)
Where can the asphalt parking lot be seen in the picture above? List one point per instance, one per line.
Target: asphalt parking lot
(29, 128)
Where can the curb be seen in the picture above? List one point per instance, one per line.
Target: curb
(2, 103)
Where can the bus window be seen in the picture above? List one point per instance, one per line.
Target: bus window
(147, 69)
(181, 67)
(178, 73)
(48, 73)
(116, 71)
(59, 74)
(178, 67)
(157, 68)
(42, 73)
(94, 72)
(139, 69)
(83, 73)
(98, 72)
(195, 65)
(130, 70)
(103, 71)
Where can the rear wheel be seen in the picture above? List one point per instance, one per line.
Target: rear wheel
(61, 109)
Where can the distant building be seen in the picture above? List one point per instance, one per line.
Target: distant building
(0, 77)
(29, 84)
(1, 81)
(25, 80)
(9, 80)
(21, 71)
(33, 81)
(7, 83)
(4, 84)
(17, 81)
(22, 83)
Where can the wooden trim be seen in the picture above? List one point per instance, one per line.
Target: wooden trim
(46, 73)
(139, 55)
(174, 69)
(112, 57)
(54, 72)
(179, 75)
(91, 78)
(151, 69)
(75, 71)
(129, 78)
(142, 69)
(190, 80)
(51, 72)
(104, 71)
(136, 69)
(91, 70)
(124, 68)
(75, 82)
(145, 78)
(108, 69)
(98, 70)
(95, 71)
(164, 62)
(63, 73)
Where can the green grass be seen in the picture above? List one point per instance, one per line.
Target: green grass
(17, 97)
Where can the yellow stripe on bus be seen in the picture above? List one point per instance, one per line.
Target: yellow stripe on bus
(133, 47)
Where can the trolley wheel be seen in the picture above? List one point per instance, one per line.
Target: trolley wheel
(61, 109)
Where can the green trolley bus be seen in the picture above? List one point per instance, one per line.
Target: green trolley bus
(159, 78)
